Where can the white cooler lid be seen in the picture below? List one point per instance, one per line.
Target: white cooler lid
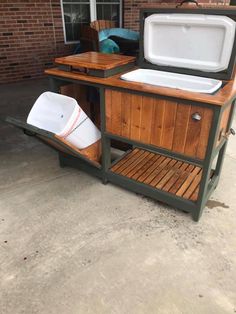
(194, 41)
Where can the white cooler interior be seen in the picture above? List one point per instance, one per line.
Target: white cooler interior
(173, 80)
(63, 116)
(52, 112)
(194, 41)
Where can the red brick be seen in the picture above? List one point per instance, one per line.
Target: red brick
(34, 42)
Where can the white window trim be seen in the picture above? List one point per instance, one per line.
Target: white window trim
(93, 10)
(93, 17)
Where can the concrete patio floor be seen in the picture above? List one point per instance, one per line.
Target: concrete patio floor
(69, 244)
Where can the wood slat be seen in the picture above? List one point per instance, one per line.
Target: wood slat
(194, 196)
(92, 152)
(108, 110)
(142, 171)
(135, 169)
(149, 179)
(193, 185)
(116, 112)
(175, 177)
(183, 176)
(224, 123)
(157, 121)
(135, 164)
(126, 115)
(168, 175)
(95, 60)
(125, 159)
(193, 133)
(163, 173)
(102, 24)
(181, 127)
(168, 125)
(130, 161)
(155, 164)
(188, 181)
(136, 106)
(146, 115)
(204, 134)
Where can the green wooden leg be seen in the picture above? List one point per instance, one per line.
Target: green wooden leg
(106, 142)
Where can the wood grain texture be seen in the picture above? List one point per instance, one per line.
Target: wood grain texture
(184, 187)
(135, 117)
(116, 111)
(157, 170)
(181, 179)
(125, 159)
(152, 166)
(95, 60)
(108, 110)
(193, 132)
(135, 167)
(181, 128)
(158, 122)
(126, 100)
(224, 123)
(163, 172)
(168, 125)
(175, 177)
(102, 24)
(92, 152)
(146, 115)
(168, 174)
(204, 133)
(225, 95)
(122, 166)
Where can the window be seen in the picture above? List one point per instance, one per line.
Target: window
(108, 10)
(77, 13)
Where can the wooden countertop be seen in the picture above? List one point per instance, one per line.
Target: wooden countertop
(225, 95)
(95, 60)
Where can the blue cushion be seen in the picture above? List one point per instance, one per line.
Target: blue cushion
(109, 46)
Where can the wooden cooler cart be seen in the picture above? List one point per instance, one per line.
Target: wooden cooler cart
(178, 137)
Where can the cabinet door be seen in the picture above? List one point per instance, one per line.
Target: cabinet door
(178, 127)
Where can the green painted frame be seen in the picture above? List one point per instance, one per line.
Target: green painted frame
(207, 185)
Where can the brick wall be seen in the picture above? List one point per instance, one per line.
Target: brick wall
(31, 36)
(131, 9)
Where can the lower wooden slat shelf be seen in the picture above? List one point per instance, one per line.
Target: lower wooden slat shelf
(164, 173)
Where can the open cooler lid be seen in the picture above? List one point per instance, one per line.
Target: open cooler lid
(201, 42)
(198, 41)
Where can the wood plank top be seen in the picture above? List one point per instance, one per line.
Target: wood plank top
(225, 95)
(95, 60)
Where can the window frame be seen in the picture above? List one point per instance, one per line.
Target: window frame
(93, 15)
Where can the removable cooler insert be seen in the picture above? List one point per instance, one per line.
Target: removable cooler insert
(63, 116)
(173, 80)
